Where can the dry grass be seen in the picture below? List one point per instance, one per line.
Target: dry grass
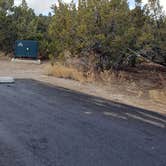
(69, 72)
(61, 71)
(2, 54)
(113, 76)
(141, 83)
(158, 95)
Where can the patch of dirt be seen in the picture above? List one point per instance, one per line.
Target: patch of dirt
(142, 87)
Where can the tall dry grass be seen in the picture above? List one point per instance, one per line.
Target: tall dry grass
(61, 71)
(137, 83)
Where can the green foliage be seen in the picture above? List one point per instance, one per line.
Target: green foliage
(110, 30)
(6, 5)
(20, 22)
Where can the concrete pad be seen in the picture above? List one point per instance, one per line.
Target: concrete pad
(38, 62)
(6, 80)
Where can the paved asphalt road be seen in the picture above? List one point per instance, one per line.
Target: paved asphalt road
(42, 125)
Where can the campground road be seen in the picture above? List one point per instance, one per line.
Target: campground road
(42, 125)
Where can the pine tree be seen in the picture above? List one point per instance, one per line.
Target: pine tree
(24, 4)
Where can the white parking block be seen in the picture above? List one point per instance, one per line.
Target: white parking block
(26, 61)
(6, 80)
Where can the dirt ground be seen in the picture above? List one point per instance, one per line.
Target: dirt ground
(148, 92)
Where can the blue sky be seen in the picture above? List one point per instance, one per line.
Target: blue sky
(43, 6)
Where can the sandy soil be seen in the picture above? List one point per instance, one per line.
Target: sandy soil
(116, 92)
